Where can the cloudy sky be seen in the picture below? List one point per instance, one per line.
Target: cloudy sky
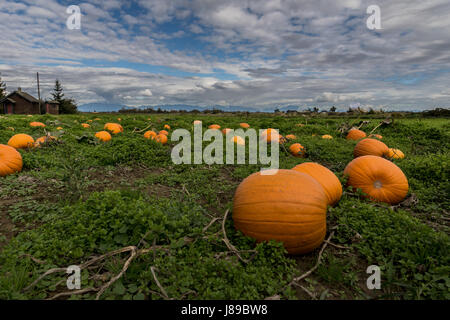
(253, 53)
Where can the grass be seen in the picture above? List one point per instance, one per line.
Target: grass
(79, 198)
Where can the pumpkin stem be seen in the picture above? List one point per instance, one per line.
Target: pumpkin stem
(377, 184)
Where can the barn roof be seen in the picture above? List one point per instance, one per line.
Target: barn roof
(7, 99)
(24, 95)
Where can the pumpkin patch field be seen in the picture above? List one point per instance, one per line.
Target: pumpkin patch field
(104, 194)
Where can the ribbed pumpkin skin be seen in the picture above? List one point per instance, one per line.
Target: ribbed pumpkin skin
(370, 147)
(289, 206)
(297, 150)
(355, 134)
(10, 160)
(114, 128)
(103, 136)
(161, 138)
(149, 134)
(164, 132)
(327, 179)
(395, 154)
(379, 178)
(21, 141)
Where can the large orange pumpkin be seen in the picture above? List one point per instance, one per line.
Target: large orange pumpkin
(10, 160)
(377, 177)
(395, 154)
(114, 128)
(355, 134)
(297, 150)
(103, 136)
(21, 141)
(37, 124)
(288, 206)
(214, 126)
(325, 177)
(368, 146)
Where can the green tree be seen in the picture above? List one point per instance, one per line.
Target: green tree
(57, 93)
(65, 105)
(2, 88)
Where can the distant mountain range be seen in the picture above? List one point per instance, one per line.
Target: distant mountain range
(111, 107)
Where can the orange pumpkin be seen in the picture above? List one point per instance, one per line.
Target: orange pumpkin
(244, 125)
(214, 126)
(377, 177)
(10, 160)
(59, 128)
(164, 132)
(376, 136)
(197, 122)
(327, 136)
(297, 150)
(114, 128)
(149, 134)
(37, 124)
(85, 125)
(288, 206)
(161, 138)
(395, 154)
(103, 136)
(270, 134)
(21, 141)
(325, 177)
(238, 140)
(355, 134)
(166, 126)
(369, 146)
(291, 137)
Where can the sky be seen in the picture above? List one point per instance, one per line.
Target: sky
(252, 53)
